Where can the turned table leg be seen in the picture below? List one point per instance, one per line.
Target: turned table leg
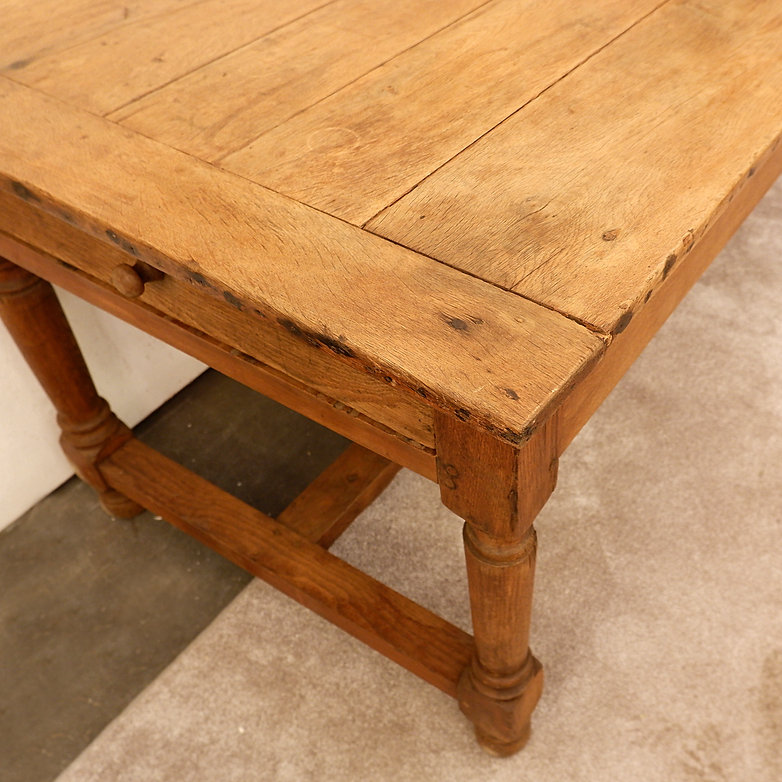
(498, 489)
(90, 431)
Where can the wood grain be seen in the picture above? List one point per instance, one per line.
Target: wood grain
(348, 387)
(585, 398)
(227, 103)
(31, 29)
(458, 343)
(412, 636)
(498, 490)
(241, 367)
(585, 199)
(323, 511)
(128, 61)
(355, 152)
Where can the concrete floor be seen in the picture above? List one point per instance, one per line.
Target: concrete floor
(93, 609)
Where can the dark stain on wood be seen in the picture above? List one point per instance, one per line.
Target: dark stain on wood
(67, 216)
(623, 322)
(337, 346)
(17, 65)
(610, 235)
(291, 327)
(24, 192)
(514, 438)
(457, 323)
(321, 341)
(232, 300)
(198, 279)
(121, 242)
(462, 414)
(421, 392)
(511, 394)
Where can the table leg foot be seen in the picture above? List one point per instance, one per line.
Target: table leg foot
(502, 749)
(495, 692)
(498, 489)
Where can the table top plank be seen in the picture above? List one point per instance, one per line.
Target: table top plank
(226, 104)
(357, 151)
(585, 199)
(29, 30)
(133, 59)
(466, 346)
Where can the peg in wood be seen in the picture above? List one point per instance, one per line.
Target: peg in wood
(131, 280)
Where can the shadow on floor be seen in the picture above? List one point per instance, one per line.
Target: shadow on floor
(92, 609)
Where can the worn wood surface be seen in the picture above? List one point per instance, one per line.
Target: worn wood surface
(365, 146)
(323, 511)
(358, 298)
(498, 490)
(30, 30)
(533, 186)
(328, 411)
(623, 349)
(414, 637)
(585, 199)
(406, 414)
(262, 85)
(106, 72)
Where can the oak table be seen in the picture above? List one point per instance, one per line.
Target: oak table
(442, 229)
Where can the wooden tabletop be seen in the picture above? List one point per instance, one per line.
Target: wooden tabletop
(469, 199)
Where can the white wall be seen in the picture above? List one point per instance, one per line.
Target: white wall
(135, 372)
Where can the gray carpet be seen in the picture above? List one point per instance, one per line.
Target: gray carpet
(658, 611)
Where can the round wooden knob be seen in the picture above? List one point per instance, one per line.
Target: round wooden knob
(127, 281)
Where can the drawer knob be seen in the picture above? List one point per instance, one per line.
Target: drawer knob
(130, 280)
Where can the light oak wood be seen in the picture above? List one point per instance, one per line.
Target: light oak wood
(263, 84)
(124, 63)
(365, 146)
(534, 185)
(323, 511)
(623, 349)
(412, 636)
(241, 367)
(585, 199)
(498, 490)
(358, 391)
(31, 29)
(359, 298)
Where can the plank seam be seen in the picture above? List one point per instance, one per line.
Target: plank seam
(572, 318)
(481, 410)
(513, 113)
(88, 38)
(458, 19)
(215, 59)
